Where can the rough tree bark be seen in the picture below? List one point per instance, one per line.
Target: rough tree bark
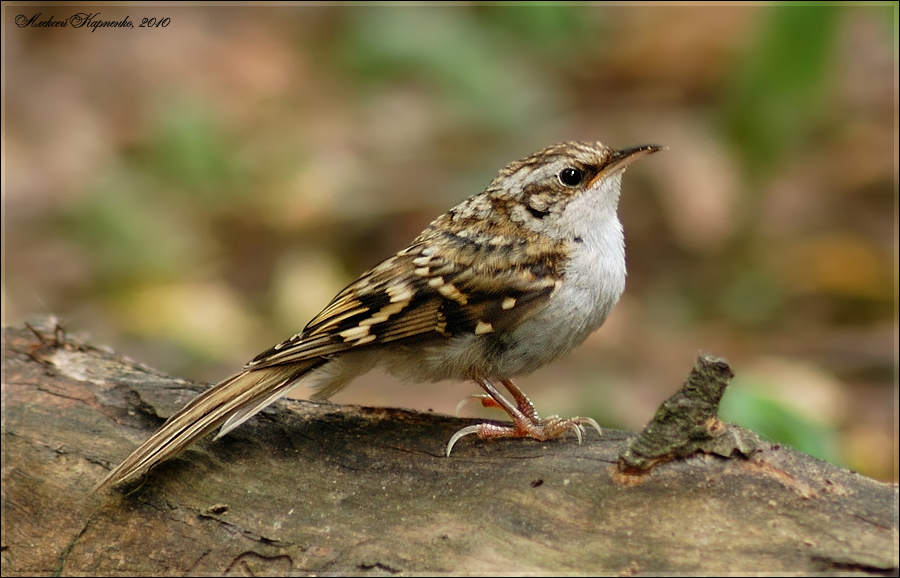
(318, 488)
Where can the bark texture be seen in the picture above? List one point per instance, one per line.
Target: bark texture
(318, 488)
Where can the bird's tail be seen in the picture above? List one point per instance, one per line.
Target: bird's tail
(230, 402)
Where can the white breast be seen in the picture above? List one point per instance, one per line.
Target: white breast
(594, 281)
(594, 278)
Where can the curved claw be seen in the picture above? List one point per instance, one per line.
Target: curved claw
(576, 427)
(590, 422)
(472, 429)
(479, 396)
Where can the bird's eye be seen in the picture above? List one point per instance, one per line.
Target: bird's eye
(571, 177)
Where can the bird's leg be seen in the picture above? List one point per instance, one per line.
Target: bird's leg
(526, 422)
(522, 402)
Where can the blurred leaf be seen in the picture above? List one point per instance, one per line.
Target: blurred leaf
(131, 236)
(743, 405)
(207, 318)
(188, 148)
(781, 86)
(549, 28)
(448, 50)
(138, 222)
(892, 17)
(751, 296)
(840, 264)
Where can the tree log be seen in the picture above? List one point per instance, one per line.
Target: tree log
(319, 488)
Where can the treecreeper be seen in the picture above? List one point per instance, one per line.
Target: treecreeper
(503, 283)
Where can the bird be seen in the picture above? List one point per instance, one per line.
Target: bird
(502, 284)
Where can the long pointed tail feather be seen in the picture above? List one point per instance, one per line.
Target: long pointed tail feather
(231, 402)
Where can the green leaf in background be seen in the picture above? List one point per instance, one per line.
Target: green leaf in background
(550, 29)
(780, 89)
(188, 149)
(451, 54)
(145, 218)
(746, 406)
(752, 297)
(132, 234)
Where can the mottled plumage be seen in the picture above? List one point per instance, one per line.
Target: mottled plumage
(503, 283)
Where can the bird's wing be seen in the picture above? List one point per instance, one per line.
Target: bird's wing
(418, 293)
(425, 293)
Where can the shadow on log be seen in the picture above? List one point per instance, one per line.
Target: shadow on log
(319, 488)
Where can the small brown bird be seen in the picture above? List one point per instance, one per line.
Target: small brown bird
(502, 284)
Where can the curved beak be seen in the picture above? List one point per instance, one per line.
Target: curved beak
(623, 158)
(620, 159)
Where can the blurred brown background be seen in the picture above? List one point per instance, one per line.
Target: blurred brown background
(191, 194)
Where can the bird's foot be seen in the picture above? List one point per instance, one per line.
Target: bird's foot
(525, 420)
(542, 430)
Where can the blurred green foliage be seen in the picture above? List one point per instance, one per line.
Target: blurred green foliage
(751, 297)
(744, 404)
(146, 216)
(480, 63)
(132, 233)
(780, 89)
(189, 153)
